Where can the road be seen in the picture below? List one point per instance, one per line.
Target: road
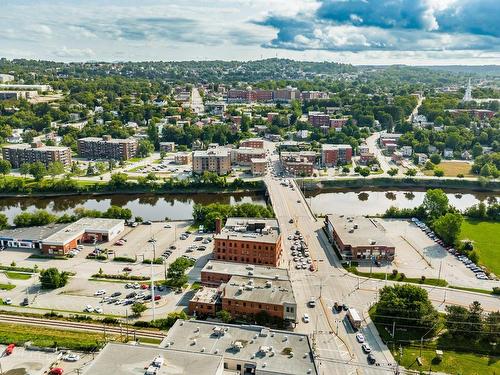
(196, 101)
(335, 344)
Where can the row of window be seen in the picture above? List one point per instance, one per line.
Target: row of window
(252, 305)
(242, 259)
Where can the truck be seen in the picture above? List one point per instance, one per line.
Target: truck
(354, 318)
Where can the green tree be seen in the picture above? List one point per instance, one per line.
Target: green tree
(138, 308)
(225, 316)
(5, 167)
(438, 172)
(477, 150)
(118, 180)
(55, 168)
(38, 170)
(145, 148)
(448, 227)
(435, 159)
(364, 172)
(52, 278)
(411, 172)
(4, 221)
(24, 169)
(393, 171)
(116, 212)
(435, 203)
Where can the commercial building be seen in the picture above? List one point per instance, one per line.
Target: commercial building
(252, 142)
(167, 146)
(313, 95)
(126, 359)
(17, 154)
(28, 238)
(245, 240)
(244, 155)
(333, 155)
(4, 78)
(217, 159)
(183, 158)
(250, 95)
(206, 301)
(218, 272)
(107, 148)
(298, 163)
(359, 237)
(388, 139)
(245, 349)
(258, 166)
(13, 86)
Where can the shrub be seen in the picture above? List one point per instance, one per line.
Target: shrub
(460, 175)
(496, 290)
(394, 272)
(422, 279)
(402, 276)
(124, 259)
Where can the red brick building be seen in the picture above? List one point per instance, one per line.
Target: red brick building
(252, 142)
(319, 119)
(333, 155)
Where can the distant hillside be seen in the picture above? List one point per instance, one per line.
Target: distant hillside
(490, 70)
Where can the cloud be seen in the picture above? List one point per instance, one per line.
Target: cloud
(399, 25)
(74, 53)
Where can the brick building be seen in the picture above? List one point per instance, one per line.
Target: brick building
(17, 154)
(258, 167)
(298, 163)
(333, 155)
(167, 146)
(107, 148)
(183, 158)
(244, 155)
(245, 240)
(217, 159)
(252, 142)
(319, 119)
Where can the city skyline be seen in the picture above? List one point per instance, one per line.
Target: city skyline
(423, 32)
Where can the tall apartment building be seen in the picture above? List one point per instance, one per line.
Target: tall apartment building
(244, 155)
(332, 155)
(313, 95)
(107, 148)
(318, 119)
(17, 154)
(216, 160)
(286, 95)
(245, 240)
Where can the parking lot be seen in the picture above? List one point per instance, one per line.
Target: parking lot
(23, 361)
(417, 254)
(80, 292)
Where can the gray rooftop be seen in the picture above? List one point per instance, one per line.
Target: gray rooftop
(245, 288)
(369, 231)
(111, 140)
(126, 359)
(26, 146)
(240, 269)
(265, 349)
(31, 233)
(250, 229)
(86, 224)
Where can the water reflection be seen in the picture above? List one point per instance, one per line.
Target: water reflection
(363, 196)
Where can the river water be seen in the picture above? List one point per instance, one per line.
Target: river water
(372, 202)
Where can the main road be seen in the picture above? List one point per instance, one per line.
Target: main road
(333, 339)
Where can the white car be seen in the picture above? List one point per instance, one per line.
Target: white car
(88, 308)
(100, 292)
(98, 310)
(360, 337)
(306, 318)
(8, 301)
(366, 348)
(71, 357)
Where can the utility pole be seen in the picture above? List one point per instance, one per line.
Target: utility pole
(152, 289)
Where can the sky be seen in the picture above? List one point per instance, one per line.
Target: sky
(413, 32)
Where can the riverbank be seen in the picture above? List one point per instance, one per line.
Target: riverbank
(320, 185)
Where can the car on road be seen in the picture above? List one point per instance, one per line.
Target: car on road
(298, 266)
(298, 200)
(100, 292)
(157, 297)
(312, 302)
(371, 359)
(290, 221)
(167, 226)
(7, 301)
(71, 357)
(306, 318)
(345, 307)
(56, 371)
(360, 337)
(131, 295)
(366, 348)
(10, 349)
(116, 294)
(88, 309)
(147, 222)
(127, 269)
(25, 302)
(98, 310)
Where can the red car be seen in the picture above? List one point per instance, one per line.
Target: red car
(144, 286)
(127, 269)
(56, 371)
(157, 298)
(9, 349)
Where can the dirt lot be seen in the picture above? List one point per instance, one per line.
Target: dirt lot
(23, 361)
(453, 168)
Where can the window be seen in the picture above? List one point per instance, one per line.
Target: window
(225, 365)
(238, 367)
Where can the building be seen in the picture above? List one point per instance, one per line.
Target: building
(18, 154)
(271, 116)
(407, 150)
(258, 166)
(333, 155)
(318, 119)
(12, 86)
(244, 155)
(17, 95)
(421, 158)
(28, 238)
(183, 158)
(297, 163)
(107, 148)
(127, 359)
(252, 142)
(338, 123)
(217, 160)
(167, 146)
(388, 138)
(206, 301)
(217, 272)
(246, 240)
(5, 78)
(313, 95)
(359, 237)
(286, 95)
(246, 349)
(481, 114)
(85, 230)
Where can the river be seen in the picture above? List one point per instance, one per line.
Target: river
(372, 202)
(148, 206)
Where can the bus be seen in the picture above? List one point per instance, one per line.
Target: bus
(354, 318)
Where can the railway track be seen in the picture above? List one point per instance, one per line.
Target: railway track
(89, 327)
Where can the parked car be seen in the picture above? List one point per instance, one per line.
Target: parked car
(147, 222)
(100, 292)
(127, 269)
(116, 294)
(56, 371)
(71, 357)
(7, 301)
(312, 302)
(10, 349)
(366, 348)
(360, 337)
(306, 318)
(371, 359)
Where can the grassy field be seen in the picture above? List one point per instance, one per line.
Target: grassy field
(390, 276)
(485, 235)
(17, 275)
(452, 169)
(39, 336)
(7, 286)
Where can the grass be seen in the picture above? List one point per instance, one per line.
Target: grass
(7, 286)
(472, 289)
(484, 235)
(17, 276)
(390, 276)
(45, 337)
(149, 340)
(196, 285)
(452, 169)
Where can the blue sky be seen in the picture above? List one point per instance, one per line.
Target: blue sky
(417, 32)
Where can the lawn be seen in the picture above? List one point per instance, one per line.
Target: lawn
(390, 276)
(7, 286)
(486, 239)
(452, 169)
(17, 275)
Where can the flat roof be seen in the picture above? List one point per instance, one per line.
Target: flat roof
(206, 295)
(127, 359)
(215, 151)
(265, 349)
(245, 288)
(327, 146)
(258, 160)
(369, 231)
(240, 269)
(31, 233)
(251, 150)
(85, 224)
(112, 140)
(25, 146)
(250, 229)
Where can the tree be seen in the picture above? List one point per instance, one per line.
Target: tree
(364, 172)
(477, 150)
(393, 171)
(38, 170)
(225, 316)
(116, 212)
(145, 148)
(5, 167)
(138, 308)
(438, 172)
(55, 168)
(24, 169)
(435, 203)
(345, 169)
(435, 159)
(4, 221)
(411, 172)
(52, 278)
(448, 227)
(118, 180)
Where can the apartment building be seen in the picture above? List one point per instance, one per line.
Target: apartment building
(244, 155)
(107, 148)
(333, 155)
(258, 167)
(319, 119)
(17, 154)
(167, 146)
(217, 159)
(298, 163)
(245, 240)
(252, 142)
(313, 95)
(183, 158)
